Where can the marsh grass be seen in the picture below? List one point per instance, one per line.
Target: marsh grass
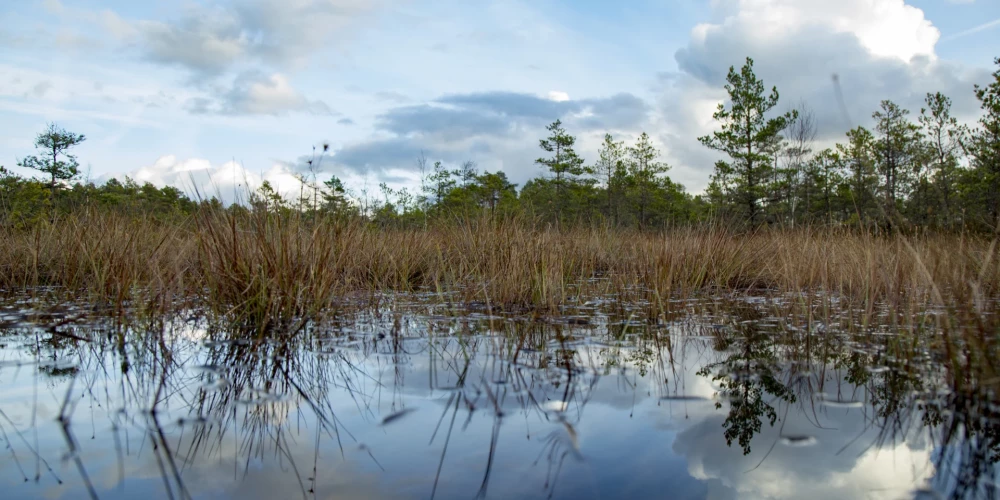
(269, 270)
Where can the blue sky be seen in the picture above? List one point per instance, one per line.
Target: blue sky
(175, 92)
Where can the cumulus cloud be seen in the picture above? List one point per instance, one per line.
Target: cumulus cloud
(289, 30)
(231, 182)
(886, 28)
(227, 181)
(256, 93)
(209, 40)
(558, 96)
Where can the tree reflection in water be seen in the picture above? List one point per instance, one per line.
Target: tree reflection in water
(197, 400)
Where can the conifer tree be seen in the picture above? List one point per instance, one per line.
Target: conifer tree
(897, 153)
(645, 172)
(564, 163)
(610, 168)
(944, 139)
(746, 137)
(54, 159)
(859, 154)
(984, 145)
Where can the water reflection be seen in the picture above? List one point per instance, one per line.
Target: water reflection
(730, 402)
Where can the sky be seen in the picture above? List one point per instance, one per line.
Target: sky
(215, 94)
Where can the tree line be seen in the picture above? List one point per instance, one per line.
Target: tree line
(909, 170)
(928, 172)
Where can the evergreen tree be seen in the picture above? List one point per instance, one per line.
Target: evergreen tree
(645, 171)
(441, 182)
(944, 147)
(335, 197)
(859, 155)
(467, 172)
(54, 159)
(984, 147)
(897, 155)
(746, 136)
(610, 168)
(564, 163)
(825, 169)
(494, 192)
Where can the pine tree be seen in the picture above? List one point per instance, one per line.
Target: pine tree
(645, 172)
(984, 145)
(493, 190)
(468, 172)
(564, 163)
(54, 159)
(441, 182)
(944, 146)
(611, 168)
(826, 168)
(858, 154)
(746, 137)
(897, 153)
(335, 197)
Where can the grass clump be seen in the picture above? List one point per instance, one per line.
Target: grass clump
(267, 269)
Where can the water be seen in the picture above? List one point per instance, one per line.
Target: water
(415, 403)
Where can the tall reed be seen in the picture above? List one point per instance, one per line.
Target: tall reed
(268, 269)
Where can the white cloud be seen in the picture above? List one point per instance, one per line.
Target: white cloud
(228, 181)
(887, 28)
(206, 42)
(290, 30)
(558, 96)
(210, 40)
(254, 93)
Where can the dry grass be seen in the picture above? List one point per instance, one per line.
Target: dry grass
(266, 269)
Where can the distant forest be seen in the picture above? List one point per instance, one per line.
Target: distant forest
(912, 170)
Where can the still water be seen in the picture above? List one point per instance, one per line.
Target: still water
(420, 401)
